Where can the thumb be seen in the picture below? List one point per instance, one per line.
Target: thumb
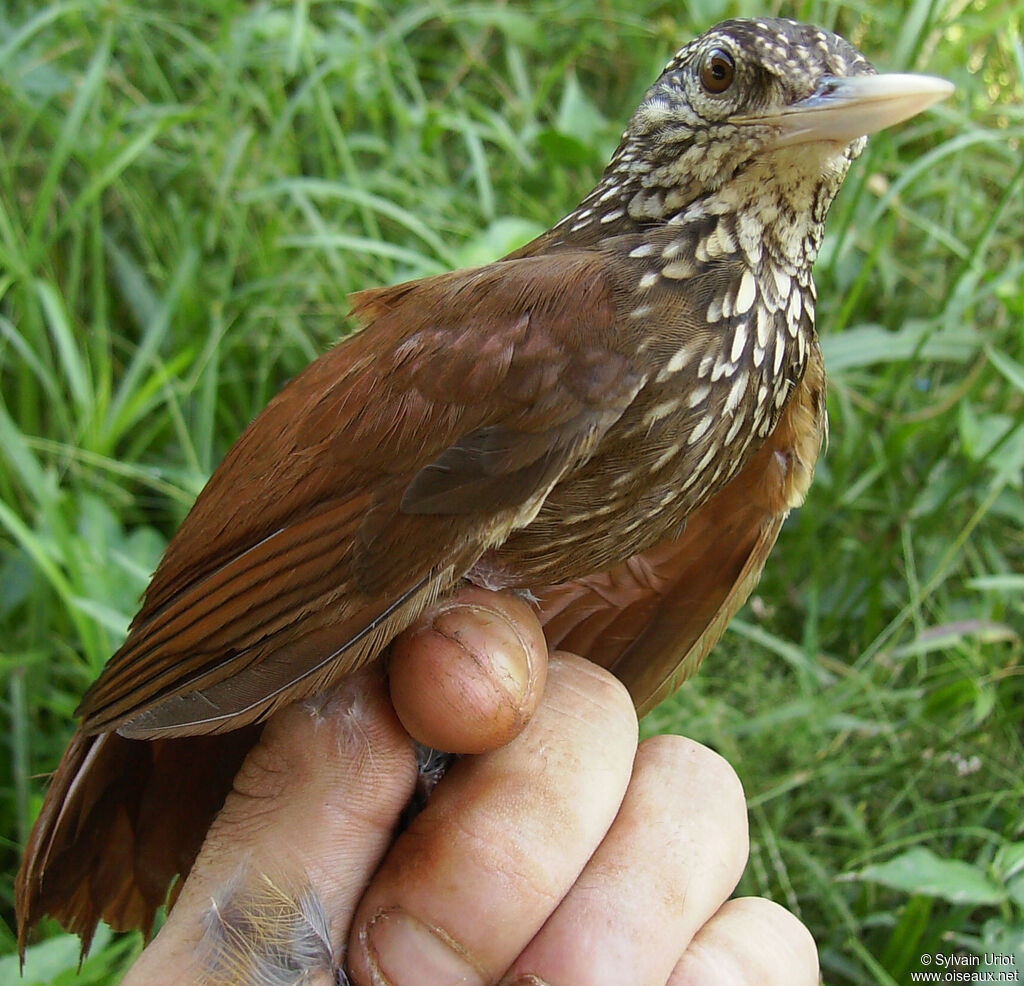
(470, 673)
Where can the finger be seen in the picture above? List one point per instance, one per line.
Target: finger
(313, 809)
(675, 852)
(501, 841)
(750, 942)
(469, 674)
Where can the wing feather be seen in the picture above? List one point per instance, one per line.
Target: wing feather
(367, 487)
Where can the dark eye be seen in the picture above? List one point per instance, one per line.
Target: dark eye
(717, 72)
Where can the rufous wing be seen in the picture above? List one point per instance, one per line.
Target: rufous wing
(367, 487)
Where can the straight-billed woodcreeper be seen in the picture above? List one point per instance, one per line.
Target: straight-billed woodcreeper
(616, 417)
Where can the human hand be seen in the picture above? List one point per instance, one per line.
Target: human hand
(565, 854)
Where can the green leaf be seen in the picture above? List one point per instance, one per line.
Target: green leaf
(564, 149)
(1003, 948)
(866, 345)
(498, 238)
(1009, 862)
(578, 117)
(73, 359)
(920, 871)
(905, 941)
(1008, 367)
(52, 961)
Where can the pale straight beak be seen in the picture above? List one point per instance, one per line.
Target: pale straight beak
(844, 109)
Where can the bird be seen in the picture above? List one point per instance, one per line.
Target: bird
(614, 420)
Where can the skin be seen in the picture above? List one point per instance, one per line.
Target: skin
(563, 854)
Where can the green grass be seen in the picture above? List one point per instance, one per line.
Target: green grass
(187, 198)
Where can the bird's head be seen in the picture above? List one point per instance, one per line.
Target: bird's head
(753, 103)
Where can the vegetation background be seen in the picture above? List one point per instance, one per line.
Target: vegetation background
(189, 191)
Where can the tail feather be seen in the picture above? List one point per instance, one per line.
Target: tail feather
(121, 820)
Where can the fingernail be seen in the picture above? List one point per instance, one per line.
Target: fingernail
(403, 951)
(492, 639)
(527, 981)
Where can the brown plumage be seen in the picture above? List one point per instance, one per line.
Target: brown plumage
(617, 418)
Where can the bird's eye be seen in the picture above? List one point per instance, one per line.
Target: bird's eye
(717, 72)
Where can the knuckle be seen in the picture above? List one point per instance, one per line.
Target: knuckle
(687, 761)
(265, 774)
(593, 696)
(793, 948)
